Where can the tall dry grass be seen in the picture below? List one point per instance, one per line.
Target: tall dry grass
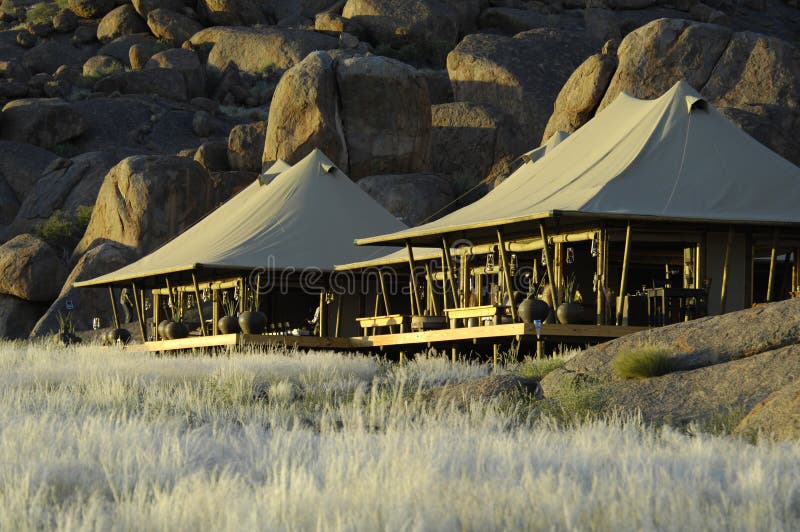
(104, 439)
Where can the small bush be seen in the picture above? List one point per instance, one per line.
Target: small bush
(42, 13)
(642, 362)
(64, 230)
(538, 368)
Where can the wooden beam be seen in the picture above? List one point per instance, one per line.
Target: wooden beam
(113, 307)
(726, 265)
(411, 266)
(337, 329)
(199, 306)
(215, 304)
(772, 258)
(506, 274)
(551, 278)
(599, 279)
(139, 312)
(623, 282)
(156, 316)
(384, 293)
(322, 314)
(448, 267)
(431, 295)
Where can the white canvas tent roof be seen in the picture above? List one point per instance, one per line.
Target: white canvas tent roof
(672, 158)
(307, 216)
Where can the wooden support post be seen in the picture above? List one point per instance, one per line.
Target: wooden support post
(322, 314)
(156, 315)
(383, 292)
(448, 268)
(199, 306)
(402, 357)
(599, 274)
(215, 312)
(550, 274)
(411, 266)
(431, 296)
(723, 291)
(495, 355)
(113, 307)
(506, 274)
(772, 258)
(623, 282)
(139, 312)
(337, 329)
(453, 354)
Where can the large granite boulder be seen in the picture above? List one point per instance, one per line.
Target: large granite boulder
(521, 75)
(31, 269)
(145, 200)
(90, 8)
(158, 81)
(756, 83)
(232, 12)
(386, 116)
(120, 48)
(655, 56)
(184, 61)
(65, 187)
(777, 416)
(45, 122)
(468, 140)
(256, 50)
(144, 7)
(580, 96)
(87, 303)
(47, 56)
(18, 317)
(21, 165)
(305, 114)
(122, 20)
(405, 21)
(9, 203)
(246, 146)
(100, 66)
(172, 27)
(413, 198)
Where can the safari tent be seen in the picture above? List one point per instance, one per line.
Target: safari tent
(284, 233)
(663, 202)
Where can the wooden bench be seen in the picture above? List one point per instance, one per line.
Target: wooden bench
(492, 312)
(392, 320)
(428, 323)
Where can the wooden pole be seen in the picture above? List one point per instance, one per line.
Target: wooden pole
(337, 329)
(431, 298)
(113, 307)
(772, 258)
(383, 292)
(723, 291)
(199, 306)
(449, 271)
(599, 278)
(170, 302)
(156, 315)
(215, 312)
(549, 260)
(411, 266)
(139, 312)
(495, 353)
(321, 314)
(623, 282)
(506, 274)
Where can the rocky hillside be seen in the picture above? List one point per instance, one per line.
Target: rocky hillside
(124, 122)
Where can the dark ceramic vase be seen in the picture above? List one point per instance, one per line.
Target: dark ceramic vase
(253, 322)
(228, 325)
(533, 309)
(176, 330)
(162, 329)
(123, 335)
(569, 313)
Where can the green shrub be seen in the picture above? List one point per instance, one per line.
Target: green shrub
(64, 230)
(642, 362)
(537, 368)
(42, 13)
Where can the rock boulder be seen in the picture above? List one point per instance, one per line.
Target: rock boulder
(90, 8)
(18, 317)
(122, 20)
(246, 146)
(232, 12)
(45, 122)
(405, 21)
(21, 165)
(412, 198)
(386, 116)
(145, 200)
(777, 416)
(170, 26)
(187, 63)
(30, 269)
(160, 81)
(305, 114)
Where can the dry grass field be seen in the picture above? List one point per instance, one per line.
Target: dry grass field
(105, 439)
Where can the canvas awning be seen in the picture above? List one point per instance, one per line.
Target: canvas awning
(306, 217)
(673, 158)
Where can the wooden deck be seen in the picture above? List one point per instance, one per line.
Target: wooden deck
(488, 334)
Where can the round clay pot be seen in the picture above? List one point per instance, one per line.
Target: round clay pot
(162, 328)
(228, 325)
(253, 322)
(176, 330)
(123, 335)
(533, 309)
(569, 313)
